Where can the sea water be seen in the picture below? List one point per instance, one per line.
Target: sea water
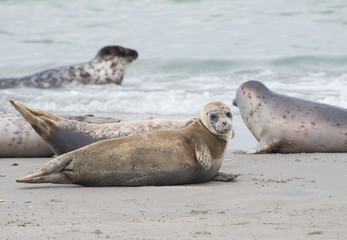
(190, 52)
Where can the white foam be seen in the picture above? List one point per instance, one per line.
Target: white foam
(172, 90)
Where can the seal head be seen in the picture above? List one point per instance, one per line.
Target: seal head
(110, 52)
(219, 121)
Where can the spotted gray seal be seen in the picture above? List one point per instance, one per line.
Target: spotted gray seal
(290, 125)
(18, 138)
(167, 157)
(65, 135)
(107, 67)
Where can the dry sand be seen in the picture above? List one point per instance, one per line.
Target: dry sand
(277, 196)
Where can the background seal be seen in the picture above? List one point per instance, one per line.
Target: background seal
(107, 67)
(290, 125)
(18, 138)
(65, 135)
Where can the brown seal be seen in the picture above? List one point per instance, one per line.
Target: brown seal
(65, 135)
(188, 155)
(290, 125)
(18, 138)
(107, 67)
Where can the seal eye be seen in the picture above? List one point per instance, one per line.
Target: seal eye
(228, 114)
(214, 117)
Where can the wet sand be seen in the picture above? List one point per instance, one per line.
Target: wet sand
(277, 196)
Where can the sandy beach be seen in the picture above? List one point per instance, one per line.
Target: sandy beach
(190, 53)
(277, 196)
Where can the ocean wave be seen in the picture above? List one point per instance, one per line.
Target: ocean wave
(189, 65)
(184, 86)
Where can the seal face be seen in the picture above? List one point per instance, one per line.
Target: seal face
(65, 135)
(106, 68)
(290, 125)
(189, 155)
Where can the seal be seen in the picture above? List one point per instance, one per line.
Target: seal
(18, 139)
(107, 67)
(65, 135)
(286, 124)
(167, 157)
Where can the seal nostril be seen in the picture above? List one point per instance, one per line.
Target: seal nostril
(235, 102)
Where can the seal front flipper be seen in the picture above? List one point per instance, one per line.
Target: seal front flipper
(51, 172)
(264, 146)
(203, 155)
(225, 177)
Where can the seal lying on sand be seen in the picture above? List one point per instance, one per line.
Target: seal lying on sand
(290, 125)
(188, 155)
(18, 139)
(107, 67)
(64, 135)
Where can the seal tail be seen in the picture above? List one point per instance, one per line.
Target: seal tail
(37, 118)
(51, 172)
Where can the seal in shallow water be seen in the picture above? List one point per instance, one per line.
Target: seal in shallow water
(64, 135)
(107, 67)
(18, 138)
(290, 125)
(189, 155)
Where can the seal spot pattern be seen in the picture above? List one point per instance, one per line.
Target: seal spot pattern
(286, 124)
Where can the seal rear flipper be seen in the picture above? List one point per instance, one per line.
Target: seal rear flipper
(37, 118)
(59, 178)
(203, 155)
(49, 171)
(225, 177)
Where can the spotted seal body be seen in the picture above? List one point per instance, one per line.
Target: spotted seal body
(18, 138)
(107, 67)
(188, 155)
(65, 135)
(290, 125)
